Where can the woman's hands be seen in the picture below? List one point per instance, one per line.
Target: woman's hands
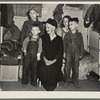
(49, 62)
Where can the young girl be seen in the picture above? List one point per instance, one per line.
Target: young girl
(32, 49)
(61, 31)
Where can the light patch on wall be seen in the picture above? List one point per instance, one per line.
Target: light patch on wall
(44, 10)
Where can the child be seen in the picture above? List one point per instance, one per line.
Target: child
(32, 49)
(73, 51)
(33, 14)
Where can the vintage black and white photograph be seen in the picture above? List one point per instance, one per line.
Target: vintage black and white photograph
(50, 47)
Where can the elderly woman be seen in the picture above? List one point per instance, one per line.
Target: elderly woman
(49, 68)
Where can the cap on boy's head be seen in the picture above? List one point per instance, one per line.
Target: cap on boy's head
(75, 19)
(35, 9)
(52, 22)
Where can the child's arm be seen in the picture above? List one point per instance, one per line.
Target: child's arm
(24, 46)
(23, 33)
(39, 49)
(60, 50)
(59, 31)
(64, 54)
(81, 46)
(65, 45)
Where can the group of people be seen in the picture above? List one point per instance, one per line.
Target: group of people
(50, 52)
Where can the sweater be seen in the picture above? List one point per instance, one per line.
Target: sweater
(73, 43)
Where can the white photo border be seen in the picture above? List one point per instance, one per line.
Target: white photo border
(53, 95)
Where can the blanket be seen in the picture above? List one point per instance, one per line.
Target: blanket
(87, 64)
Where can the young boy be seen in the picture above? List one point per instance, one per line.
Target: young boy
(73, 51)
(32, 49)
(33, 14)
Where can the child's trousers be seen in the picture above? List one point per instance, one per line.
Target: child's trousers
(30, 64)
(72, 61)
(29, 71)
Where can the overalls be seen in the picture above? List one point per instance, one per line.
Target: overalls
(30, 64)
(73, 45)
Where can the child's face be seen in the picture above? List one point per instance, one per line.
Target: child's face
(35, 31)
(33, 14)
(73, 25)
(65, 22)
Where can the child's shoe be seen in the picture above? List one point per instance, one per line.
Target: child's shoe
(24, 85)
(34, 84)
(77, 85)
(66, 85)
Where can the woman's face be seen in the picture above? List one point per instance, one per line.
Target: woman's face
(65, 22)
(49, 28)
(33, 14)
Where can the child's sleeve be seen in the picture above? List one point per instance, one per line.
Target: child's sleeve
(60, 50)
(81, 45)
(42, 30)
(59, 31)
(23, 33)
(25, 44)
(40, 48)
(64, 42)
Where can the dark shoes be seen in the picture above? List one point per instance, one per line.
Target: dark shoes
(77, 85)
(66, 85)
(23, 85)
(74, 83)
(34, 84)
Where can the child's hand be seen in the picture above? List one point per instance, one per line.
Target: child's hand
(64, 55)
(24, 52)
(62, 69)
(80, 57)
(38, 57)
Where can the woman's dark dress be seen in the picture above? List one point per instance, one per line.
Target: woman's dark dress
(50, 75)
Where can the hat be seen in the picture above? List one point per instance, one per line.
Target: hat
(35, 9)
(52, 22)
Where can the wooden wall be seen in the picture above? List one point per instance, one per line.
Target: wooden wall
(47, 12)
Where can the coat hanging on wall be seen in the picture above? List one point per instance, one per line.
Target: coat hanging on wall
(7, 15)
(93, 16)
(57, 13)
(85, 8)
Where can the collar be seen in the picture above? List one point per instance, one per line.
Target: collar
(74, 33)
(34, 21)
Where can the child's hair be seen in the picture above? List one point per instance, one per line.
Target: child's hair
(68, 17)
(33, 8)
(35, 25)
(75, 19)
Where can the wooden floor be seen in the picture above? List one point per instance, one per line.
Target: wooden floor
(17, 86)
